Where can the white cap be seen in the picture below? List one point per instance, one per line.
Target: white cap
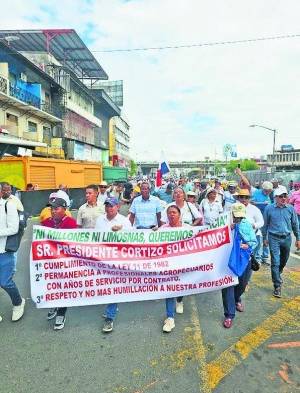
(267, 185)
(280, 190)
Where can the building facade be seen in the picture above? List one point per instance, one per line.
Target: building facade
(79, 126)
(119, 142)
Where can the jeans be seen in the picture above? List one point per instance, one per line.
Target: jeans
(7, 263)
(170, 307)
(258, 249)
(232, 295)
(280, 252)
(265, 252)
(111, 310)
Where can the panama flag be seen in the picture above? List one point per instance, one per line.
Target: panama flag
(163, 169)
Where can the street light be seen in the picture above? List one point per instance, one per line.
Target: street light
(274, 139)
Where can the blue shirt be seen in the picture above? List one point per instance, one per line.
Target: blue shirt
(260, 200)
(247, 233)
(145, 211)
(164, 196)
(280, 221)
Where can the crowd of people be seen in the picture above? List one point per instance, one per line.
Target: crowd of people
(264, 216)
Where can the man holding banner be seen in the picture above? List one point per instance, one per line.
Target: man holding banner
(60, 220)
(111, 221)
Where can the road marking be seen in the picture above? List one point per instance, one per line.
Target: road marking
(290, 344)
(199, 349)
(233, 356)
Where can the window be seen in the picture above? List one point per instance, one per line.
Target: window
(32, 127)
(11, 119)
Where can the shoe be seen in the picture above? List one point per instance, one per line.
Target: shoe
(169, 325)
(179, 307)
(239, 307)
(59, 322)
(227, 323)
(18, 311)
(52, 314)
(277, 292)
(108, 325)
(1, 318)
(297, 252)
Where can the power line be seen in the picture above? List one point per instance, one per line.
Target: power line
(279, 37)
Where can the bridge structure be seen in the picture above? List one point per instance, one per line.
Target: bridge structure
(204, 168)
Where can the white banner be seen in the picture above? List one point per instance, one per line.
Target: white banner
(78, 267)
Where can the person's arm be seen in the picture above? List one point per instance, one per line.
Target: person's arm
(258, 219)
(158, 217)
(264, 229)
(243, 177)
(11, 219)
(79, 218)
(197, 215)
(131, 218)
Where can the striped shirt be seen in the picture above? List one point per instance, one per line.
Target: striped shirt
(145, 211)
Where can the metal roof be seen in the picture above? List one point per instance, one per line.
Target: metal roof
(64, 44)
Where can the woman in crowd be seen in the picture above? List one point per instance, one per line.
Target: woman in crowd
(231, 296)
(189, 213)
(210, 207)
(174, 221)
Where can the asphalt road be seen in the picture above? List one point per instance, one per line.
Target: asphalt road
(260, 353)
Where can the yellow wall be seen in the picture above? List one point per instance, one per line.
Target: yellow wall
(49, 173)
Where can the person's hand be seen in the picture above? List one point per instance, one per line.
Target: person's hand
(244, 246)
(116, 228)
(297, 244)
(266, 243)
(238, 171)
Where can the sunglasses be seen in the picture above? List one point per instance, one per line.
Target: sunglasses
(103, 186)
(243, 197)
(282, 196)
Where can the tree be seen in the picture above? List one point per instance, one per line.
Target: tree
(133, 168)
(246, 165)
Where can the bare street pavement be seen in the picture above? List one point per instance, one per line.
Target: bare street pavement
(260, 353)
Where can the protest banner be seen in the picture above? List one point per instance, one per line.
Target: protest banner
(77, 267)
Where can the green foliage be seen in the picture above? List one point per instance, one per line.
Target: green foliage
(133, 168)
(246, 165)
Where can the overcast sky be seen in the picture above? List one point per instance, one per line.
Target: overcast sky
(189, 102)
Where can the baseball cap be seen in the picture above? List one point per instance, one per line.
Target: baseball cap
(232, 183)
(191, 193)
(238, 210)
(267, 185)
(58, 202)
(280, 190)
(112, 201)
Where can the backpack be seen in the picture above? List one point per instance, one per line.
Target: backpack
(13, 241)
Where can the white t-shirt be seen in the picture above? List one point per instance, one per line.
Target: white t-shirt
(188, 213)
(211, 211)
(254, 216)
(103, 224)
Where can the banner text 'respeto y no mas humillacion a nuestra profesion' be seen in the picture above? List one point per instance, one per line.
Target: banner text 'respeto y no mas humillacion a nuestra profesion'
(78, 267)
